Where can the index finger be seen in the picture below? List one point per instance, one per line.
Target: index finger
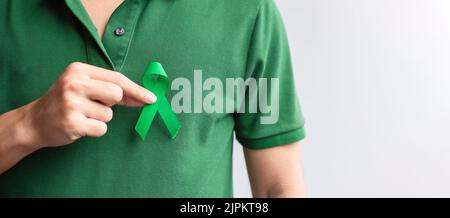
(130, 89)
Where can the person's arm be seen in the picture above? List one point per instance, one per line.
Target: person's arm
(77, 105)
(276, 172)
(14, 140)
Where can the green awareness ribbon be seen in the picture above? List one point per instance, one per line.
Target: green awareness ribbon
(156, 80)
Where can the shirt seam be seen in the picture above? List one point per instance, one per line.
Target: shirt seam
(272, 135)
(127, 51)
(252, 35)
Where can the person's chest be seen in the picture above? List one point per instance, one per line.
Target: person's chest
(41, 40)
(100, 12)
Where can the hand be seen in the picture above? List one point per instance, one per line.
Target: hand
(79, 104)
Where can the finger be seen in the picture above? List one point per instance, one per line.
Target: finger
(131, 102)
(97, 111)
(107, 93)
(94, 128)
(129, 88)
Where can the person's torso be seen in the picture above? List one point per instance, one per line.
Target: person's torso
(41, 37)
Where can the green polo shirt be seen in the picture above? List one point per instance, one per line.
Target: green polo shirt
(223, 38)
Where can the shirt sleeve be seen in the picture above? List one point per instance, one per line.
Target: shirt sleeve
(269, 57)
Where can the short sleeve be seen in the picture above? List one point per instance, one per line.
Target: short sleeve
(269, 58)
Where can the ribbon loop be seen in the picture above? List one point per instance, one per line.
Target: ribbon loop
(156, 80)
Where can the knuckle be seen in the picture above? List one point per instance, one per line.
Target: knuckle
(120, 76)
(68, 102)
(69, 125)
(68, 121)
(66, 78)
(121, 79)
(74, 67)
(116, 93)
(73, 85)
(73, 136)
(75, 70)
(71, 128)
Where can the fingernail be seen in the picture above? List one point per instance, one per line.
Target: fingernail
(150, 98)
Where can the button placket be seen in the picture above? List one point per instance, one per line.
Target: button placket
(119, 31)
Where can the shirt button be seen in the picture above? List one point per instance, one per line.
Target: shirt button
(120, 31)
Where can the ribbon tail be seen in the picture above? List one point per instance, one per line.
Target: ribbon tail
(145, 120)
(169, 117)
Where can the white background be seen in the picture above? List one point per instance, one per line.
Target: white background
(374, 82)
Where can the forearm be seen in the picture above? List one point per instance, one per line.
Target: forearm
(15, 142)
(289, 186)
(279, 190)
(276, 172)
